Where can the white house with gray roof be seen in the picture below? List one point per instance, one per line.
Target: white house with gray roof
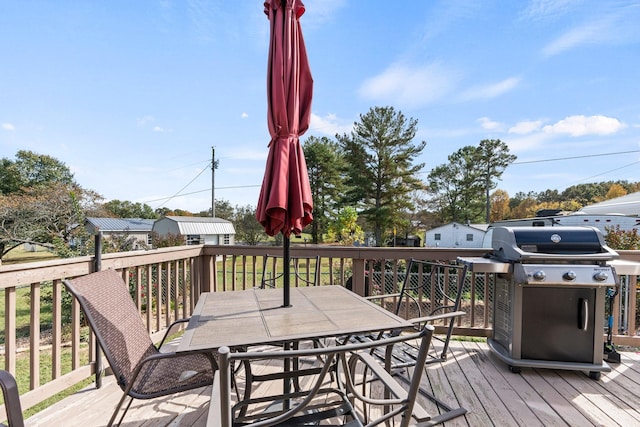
(197, 230)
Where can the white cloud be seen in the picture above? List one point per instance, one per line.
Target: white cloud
(158, 129)
(409, 86)
(533, 141)
(616, 23)
(329, 125)
(526, 127)
(491, 90)
(244, 115)
(489, 124)
(545, 9)
(8, 126)
(585, 125)
(590, 33)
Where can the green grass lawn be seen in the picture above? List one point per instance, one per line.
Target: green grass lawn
(20, 255)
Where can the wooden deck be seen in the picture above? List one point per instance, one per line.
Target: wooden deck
(471, 377)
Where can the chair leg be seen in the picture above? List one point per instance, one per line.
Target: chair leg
(115, 411)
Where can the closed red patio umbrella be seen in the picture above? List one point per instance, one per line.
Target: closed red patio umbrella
(285, 202)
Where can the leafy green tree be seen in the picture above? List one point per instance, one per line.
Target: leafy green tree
(325, 164)
(492, 158)
(224, 210)
(457, 187)
(163, 211)
(380, 169)
(549, 196)
(586, 194)
(248, 229)
(31, 169)
(43, 213)
(127, 209)
(520, 197)
(345, 229)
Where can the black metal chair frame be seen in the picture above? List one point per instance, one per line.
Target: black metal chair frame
(343, 397)
(11, 399)
(435, 280)
(435, 276)
(270, 264)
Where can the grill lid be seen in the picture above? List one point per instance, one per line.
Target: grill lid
(550, 243)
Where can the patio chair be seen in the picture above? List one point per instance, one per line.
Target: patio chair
(360, 391)
(431, 293)
(11, 399)
(303, 271)
(141, 370)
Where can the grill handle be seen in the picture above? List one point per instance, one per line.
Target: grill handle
(584, 313)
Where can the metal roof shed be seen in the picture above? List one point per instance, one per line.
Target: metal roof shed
(197, 230)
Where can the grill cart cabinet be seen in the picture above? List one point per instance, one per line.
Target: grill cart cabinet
(549, 326)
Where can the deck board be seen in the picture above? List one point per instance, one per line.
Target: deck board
(471, 377)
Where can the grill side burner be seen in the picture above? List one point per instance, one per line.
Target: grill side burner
(549, 296)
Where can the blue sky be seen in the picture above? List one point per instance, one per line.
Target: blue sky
(132, 95)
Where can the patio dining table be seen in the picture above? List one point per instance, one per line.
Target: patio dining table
(256, 316)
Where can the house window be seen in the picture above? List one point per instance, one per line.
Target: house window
(437, 236)
(149, 240)
(193, 239)
(469, 237)
(227, 239)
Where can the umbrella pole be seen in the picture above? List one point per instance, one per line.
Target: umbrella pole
(286, 246)
(286, 258)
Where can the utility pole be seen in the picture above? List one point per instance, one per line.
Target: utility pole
(213, 181)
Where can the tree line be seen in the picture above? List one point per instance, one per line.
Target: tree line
(364, 183)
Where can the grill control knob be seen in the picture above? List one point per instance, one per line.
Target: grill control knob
(539, 275)
(569, 275)
(600, 276)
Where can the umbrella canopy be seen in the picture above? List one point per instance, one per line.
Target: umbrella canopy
(285, 202)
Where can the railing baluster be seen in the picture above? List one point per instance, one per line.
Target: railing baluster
(75, 335)
(10, 329)
(56, 351)
(34, 338)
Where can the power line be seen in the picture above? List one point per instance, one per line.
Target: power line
(609, 171)
(188, 184)
(201, 191)
(575, 157)
(180, 194)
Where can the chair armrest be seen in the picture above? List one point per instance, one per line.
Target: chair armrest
(169, 328)
(396, 389)
(383, 296)
(427, 319)
(215, 416)
(11, 399)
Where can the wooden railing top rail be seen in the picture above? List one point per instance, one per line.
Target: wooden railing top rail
(352, 252)
(40, 271)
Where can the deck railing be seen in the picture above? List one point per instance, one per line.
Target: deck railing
(165, 284)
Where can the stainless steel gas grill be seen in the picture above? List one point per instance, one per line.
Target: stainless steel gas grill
(549, 296)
